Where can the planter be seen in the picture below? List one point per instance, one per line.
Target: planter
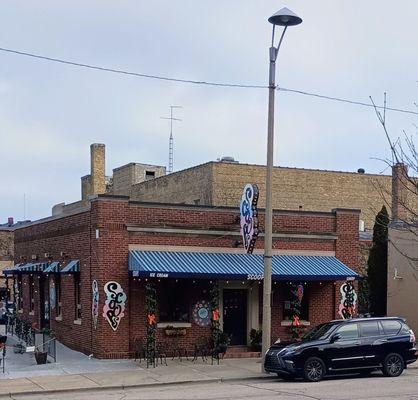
(175, 332)
(41, 357)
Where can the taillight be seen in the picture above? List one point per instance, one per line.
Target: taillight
(412, 336)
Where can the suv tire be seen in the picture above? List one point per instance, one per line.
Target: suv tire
(393, 365)
(314, 369)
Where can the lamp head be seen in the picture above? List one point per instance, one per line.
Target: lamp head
(285, 17)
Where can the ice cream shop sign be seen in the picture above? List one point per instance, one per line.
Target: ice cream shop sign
(249, 216)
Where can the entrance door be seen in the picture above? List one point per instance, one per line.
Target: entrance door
(235, 315)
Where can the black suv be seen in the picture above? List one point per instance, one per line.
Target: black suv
(356, 345)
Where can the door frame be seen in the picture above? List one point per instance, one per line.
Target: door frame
(252, 316)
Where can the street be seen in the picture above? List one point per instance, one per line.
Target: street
(376, 387)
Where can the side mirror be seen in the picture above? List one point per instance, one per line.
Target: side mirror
(335, 337)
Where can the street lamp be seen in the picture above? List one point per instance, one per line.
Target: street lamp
(283, 17)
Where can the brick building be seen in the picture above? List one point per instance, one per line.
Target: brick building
(220, 183)
(184, 250)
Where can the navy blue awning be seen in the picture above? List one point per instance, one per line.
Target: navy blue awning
(72, 267)
(12, 270)
(167, 264)
(53, 267)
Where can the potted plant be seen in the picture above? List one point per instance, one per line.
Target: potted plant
(255, 339)
(40, 356)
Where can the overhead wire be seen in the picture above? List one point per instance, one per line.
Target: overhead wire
(201, 82)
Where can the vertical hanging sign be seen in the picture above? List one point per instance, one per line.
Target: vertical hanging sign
(347, 306)
(114, 307)
(249, 216)
(95, 302)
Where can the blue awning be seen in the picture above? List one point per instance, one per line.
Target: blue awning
(12, 270)
(53, 267)
(72, 267)
(166, 264)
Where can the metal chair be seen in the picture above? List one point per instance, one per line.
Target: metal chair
(160, 353)
(139, 350)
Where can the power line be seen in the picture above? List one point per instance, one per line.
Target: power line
(358, 103)
(207, 83)
(137, 74)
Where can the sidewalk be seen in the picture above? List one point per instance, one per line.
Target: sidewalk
(175, 372)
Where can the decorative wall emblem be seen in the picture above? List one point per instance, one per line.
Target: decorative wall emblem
(95, 302)
(114, 307)
(201, 313)
(249, 216)
(347, 306)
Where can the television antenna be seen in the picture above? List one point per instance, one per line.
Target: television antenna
(171, 141)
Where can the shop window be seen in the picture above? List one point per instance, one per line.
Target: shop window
(173, 301)
(31, 294)
(77, 299)
(19, 293)
(285, 293)
(58, 303)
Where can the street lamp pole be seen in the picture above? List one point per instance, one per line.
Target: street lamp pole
(285, 18)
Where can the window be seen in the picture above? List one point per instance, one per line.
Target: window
(77, 302)
(369, 329)
(19, 293)
(149, 175)
(286, 294)
(31, 293)
(173, 301)
(391, 327)
(348, 331)
(58, 307)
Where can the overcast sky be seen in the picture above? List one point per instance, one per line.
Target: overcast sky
(50, 113)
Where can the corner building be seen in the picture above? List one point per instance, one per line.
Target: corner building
(183, 250)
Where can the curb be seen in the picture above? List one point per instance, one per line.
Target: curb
(132, 386)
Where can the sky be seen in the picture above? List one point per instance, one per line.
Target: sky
(50, 113)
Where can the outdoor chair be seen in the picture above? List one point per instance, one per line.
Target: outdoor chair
(139, 350)
(178, 350)
(160, 353)
(201, 349)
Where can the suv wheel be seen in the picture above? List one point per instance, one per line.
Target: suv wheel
(393, 365)
(314, 369)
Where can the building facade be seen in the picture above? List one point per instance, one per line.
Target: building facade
(88, 275)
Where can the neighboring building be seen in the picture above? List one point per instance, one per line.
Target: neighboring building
(184, 250)
(219, 183)
(402, 299)
(6, 254)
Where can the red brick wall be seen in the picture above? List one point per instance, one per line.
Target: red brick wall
(106, 258)
(71, 236)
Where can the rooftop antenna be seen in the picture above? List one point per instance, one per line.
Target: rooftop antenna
(171, 142)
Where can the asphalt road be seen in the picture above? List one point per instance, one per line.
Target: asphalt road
(376, 387)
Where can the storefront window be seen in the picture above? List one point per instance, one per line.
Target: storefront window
(77, 302)
(31, 293)
(19, 293)
(287, 297)
(58, 295)
(173, 301)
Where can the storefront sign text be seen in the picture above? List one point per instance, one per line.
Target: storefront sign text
(114, 307)
(249, 216)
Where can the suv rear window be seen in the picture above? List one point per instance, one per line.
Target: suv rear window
(369, 328)
(391, 327)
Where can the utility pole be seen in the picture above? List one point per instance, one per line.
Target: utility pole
(171, 141)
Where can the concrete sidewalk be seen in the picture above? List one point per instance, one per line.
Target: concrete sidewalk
(176, 372)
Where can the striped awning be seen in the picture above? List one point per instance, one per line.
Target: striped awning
(53, 267)
(12, 270)
(29, 267)
(72, 267)
(166, 264)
